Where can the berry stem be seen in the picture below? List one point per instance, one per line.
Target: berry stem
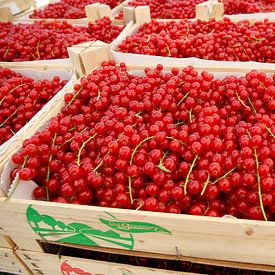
(75, 96)
(7, 51)
(224, 176)
(99, 165)
(205, 184)
(241, 101)
(184, 97)
(148, 39)
(130, 190)
(70, 139)
(136, 148)
(259, 184)
(47, 194)
(251, 104)
(82, 147)
(189, 173)
(50, 158)
(190, 115)
(98, 95)
(37, 49)
(12, 90)
(17, 179)
(181, 142)
(270, 132)
(168, 49)
(8, 118)
(161, 166)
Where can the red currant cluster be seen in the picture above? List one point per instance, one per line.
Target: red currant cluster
(213, 40)
(181, 9)
(21, 98)
(178, 142)
(69, 9)
(248, 6)
(49, 40)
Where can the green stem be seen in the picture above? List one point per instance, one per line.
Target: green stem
(189, 173)
(7, 50)
(82, 147)
(251, 104)
(47, 194)
(12, 90)
(161, 166)
(98, 166)
(224, 176)
(140, 205)
(190, 115)
(50, 158)
(168, 49)
(270, 132)
(185, 96)
(259, 184)
(4, 122)
(37, 49)
(70, 139)
(181, 142)
(241, 101)
(98, 95)
(136, 148)
(130, 189)
(205, 184)
(75, 96)
(18, 179)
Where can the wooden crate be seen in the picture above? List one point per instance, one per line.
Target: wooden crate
(16, 6)
(45, 263)
(142, 15)
(11, 263)
(220, 241)
(6, 242)
(97, 12)
(39, 71)
(93, 11)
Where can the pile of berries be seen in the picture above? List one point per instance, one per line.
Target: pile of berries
(177, 142)
(182, 9)
(49, 40)
(69, 9)
(21, 98)
(248, 6)
(213, 40)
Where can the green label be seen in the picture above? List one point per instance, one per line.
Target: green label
(118, 233)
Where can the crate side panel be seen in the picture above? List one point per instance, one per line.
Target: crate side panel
(252, 241)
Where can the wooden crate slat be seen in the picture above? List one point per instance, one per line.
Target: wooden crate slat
(177, 256)
(10, 263)
(240, 241)
(202, 237)
(6, 242)
(44, 263)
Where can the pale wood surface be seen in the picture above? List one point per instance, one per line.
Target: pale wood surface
(5, 14)
(25, 243)
(10, 263)
(50, 264)
(21, 5)
(214, 262)
(211, 9)
(6, 242)
(232, 240)
(236, 240)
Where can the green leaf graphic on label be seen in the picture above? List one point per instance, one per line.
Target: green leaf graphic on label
(134, 227)
(78, 233)
(75, 233)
